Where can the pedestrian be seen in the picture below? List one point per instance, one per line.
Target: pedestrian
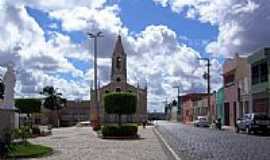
(144, 124)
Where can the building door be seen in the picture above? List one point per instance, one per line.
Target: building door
(226, 114)
(241, 109)
(234, 113)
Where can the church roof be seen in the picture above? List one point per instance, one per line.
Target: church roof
(118, 49)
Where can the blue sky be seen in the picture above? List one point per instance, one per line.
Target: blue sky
(136, 16)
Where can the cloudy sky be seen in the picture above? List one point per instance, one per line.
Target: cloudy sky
(46, 40)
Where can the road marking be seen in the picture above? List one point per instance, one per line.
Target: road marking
(175, 156)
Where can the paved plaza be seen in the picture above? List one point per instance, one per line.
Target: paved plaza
(192, 143)
(81, 143)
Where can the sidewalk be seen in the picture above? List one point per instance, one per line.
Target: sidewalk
(228, 128)
(81, 143)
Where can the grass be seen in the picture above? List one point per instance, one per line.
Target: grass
(28, 150)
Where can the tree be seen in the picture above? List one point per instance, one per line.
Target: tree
(28, 106)
(53, 101)
(120, 103)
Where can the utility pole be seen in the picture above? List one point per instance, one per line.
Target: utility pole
(96, 118)
(178, 101)
(207, 76)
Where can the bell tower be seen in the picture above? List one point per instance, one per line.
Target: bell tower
(119, 63)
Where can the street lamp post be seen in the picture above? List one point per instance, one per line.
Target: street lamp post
(208, 85)
(95, 37)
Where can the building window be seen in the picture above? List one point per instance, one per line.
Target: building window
(118, 79)
(259, 73)
(264, 72)
(118, 62)
(229, 80)
(118, 90)
(255, 74)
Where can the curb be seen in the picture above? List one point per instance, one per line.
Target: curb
(168, 150)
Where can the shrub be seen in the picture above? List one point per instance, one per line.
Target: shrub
(119, 131)
(23, 133)
(120, 103)
(5, 142)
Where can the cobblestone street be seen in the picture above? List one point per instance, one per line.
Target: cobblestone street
(77, 143)
(192, 143)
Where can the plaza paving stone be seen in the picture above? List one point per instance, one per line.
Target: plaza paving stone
(192, 143)
(81, 143)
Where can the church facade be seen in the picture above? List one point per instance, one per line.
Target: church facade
(119, 84)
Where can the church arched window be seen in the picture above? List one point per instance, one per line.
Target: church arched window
(118, 62)
(118, 79)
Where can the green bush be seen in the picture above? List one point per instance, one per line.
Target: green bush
(120, 103)
(23, 133)
(28, 105)
(119, 131)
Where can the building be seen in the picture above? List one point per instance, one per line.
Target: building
(260, 86)
(74, 112)
(187, 105)
(200, 107)
(119, 84)
(236, 88)
(71, 114)
(220, 104)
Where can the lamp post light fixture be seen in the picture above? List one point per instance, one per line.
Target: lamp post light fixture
(96, 119)
(207, 76)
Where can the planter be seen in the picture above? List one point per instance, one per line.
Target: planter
(119, 132)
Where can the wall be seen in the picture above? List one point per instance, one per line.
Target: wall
(220, 104)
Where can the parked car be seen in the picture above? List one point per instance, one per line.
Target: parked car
(83, 124)
(201, 121)
(253, 122)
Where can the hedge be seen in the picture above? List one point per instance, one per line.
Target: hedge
(28, 105)
(120, 103)
(119, 131)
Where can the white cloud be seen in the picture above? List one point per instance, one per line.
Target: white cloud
(22, 42)
(164, 62)
(155, 56)
(243, 24)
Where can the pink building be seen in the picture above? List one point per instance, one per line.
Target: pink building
(236, 87)
(187, 103)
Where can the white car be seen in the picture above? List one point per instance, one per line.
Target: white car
(83, 124)
(201, 121)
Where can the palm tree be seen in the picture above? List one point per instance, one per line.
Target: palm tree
(53, 101)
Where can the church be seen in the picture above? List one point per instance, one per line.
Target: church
(119, 84)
